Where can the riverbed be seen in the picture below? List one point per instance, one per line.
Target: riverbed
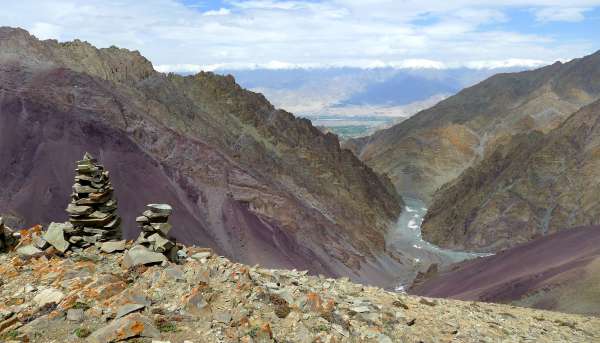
(416, 254)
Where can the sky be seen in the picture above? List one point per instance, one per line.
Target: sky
(193, 35)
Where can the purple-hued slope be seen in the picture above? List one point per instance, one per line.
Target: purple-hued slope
(535, 274)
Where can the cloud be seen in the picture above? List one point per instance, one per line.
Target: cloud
(220, 11)
(510, 63)
(568, 14)
(45, 30)
(364, 64)
(307, 33)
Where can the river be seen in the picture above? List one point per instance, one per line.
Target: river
(406, 240)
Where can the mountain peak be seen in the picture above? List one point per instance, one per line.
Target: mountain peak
(113, 64)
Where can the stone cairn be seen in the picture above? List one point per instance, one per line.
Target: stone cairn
(155, 230)
(92, 211)
(7, 240)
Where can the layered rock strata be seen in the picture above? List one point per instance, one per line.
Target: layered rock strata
(253, 182)
(92, 211)
(436, 145)
(534, 185)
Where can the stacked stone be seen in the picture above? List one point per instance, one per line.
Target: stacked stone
(92, 210)
(155, 230)
(7, 240)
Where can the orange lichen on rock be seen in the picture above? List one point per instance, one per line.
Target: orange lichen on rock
(315, 301)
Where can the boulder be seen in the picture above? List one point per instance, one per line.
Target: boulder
(139, 255)
(49, 296)
(110, 247)
(28, 250)
(56, 237)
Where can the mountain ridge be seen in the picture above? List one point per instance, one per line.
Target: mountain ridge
(535, 185)
(246, 177)
(435, 145)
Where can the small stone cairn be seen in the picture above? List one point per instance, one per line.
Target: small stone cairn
(92, 211)
(7, 240)
(155, 230)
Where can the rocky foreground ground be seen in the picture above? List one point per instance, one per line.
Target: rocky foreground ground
(89, 296)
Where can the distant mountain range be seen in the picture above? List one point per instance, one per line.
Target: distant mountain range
(339, 92)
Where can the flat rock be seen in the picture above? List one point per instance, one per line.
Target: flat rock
(132, 325)
(28, 250)
(79, 210)
(75, 315)
(159, 243)
(163, 228)
(142, 219)
(164, 209)
(201, 255)
(56, 237)
(139, 255)
(109, 247)
(127, 309)
(39, 242)
(155, 217)
(48, 296)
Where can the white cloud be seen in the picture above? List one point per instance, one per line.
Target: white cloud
(568, 14)
(509, 63)
(220, 11)
(45, 30)
(365, 64)
(302, 33)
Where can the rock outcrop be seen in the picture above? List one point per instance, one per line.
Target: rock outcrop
(90, 296)
(251, 181)
(436, 145)
(531, 187)
(559, 272)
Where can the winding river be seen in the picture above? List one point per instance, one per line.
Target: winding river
(417, 254)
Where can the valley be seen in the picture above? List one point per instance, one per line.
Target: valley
(299, 171)
(406, 239)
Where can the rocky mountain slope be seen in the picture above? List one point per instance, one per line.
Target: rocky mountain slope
(558, 272)
(532, 186)
(90, 296)
(436, 145)
(253, 182)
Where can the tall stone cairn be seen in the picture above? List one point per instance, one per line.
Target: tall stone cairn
(92, 210)
(155, 229)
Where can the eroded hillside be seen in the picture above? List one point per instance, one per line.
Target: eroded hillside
(251, 181)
